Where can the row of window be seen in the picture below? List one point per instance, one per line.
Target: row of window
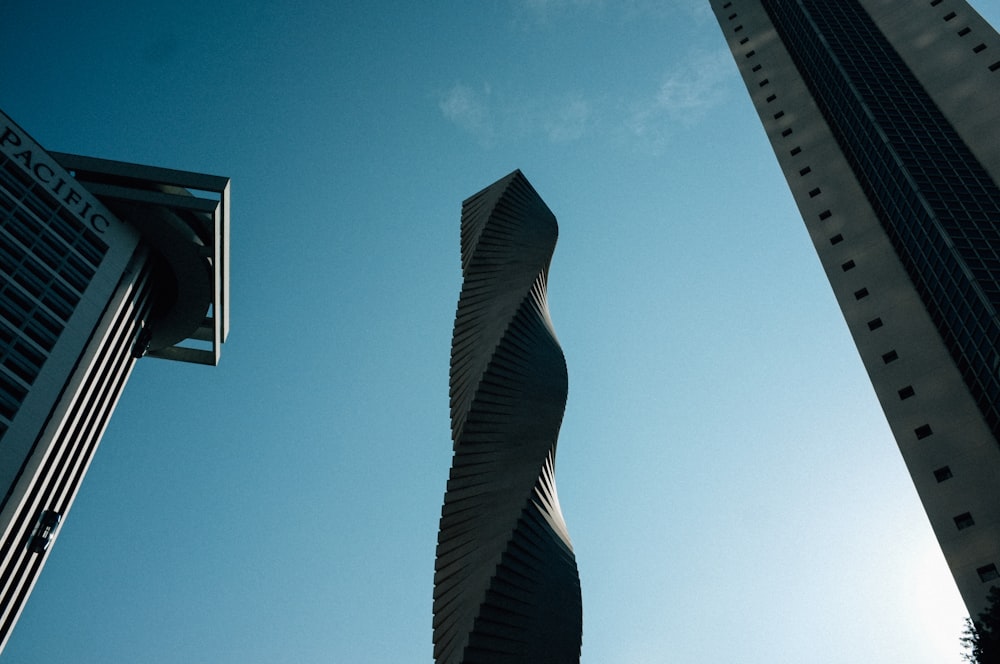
(978, 48)
(47, 259)
(925, 430)
(925, 165)
(944, 473)
(962, 521)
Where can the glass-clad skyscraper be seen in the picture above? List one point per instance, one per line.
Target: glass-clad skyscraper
(101, 263)
(883, 115)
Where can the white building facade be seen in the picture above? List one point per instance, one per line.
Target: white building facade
(101, 263)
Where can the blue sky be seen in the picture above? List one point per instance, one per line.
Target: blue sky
(732, 490)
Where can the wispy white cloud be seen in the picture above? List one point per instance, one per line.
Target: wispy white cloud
(685, 95)
(479, 113)
(696, 86)
(469, 109)
(618, 11)
(569, 121)
(543, 10)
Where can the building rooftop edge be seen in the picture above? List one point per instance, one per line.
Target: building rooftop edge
(184, 217)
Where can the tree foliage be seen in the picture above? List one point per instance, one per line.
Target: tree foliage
(981, 638)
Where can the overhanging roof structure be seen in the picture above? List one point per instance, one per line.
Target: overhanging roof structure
(184, 216)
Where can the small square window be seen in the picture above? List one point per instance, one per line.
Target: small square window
(814, 192)
(795, 151)
(891, 356)
(836, 239)
(824, 215)
(779, 114)
(949, 16)
(964, 520)
(805, 171)
(875, 323)
(755, 68)
(771, 98)
(987, 572)
(923, 431)
(964, 31)
(979, 48)
(906, 393)
(861, 294)
(943, 473)
(849, 265)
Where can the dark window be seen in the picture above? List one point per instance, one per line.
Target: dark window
(906, 393)
(849, 265)
(737, 28)
(861, 294)
(964, 31)
(891, 356)
(995, 66)
(934, 3)
(804, 171)
(787, 132)
(744, 40)
(874, 324)
(756, 68)
(771, 98)
(779, 114)
(727, 5)
(949, 16)
(750, 54)
(814, 193)
(979, 48)
(795, 151)
(836, 239)
(943, 473)
(826, 214)
(923, 431)
(732, 16)
(764, 82)
(964, 520)
(987, 572)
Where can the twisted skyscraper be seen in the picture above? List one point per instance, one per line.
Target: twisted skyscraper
(506, 587)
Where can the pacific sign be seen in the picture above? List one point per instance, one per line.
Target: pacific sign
(16, 145)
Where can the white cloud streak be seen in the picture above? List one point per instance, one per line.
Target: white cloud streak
(469, 109)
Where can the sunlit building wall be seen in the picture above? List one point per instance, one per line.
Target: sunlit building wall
(882, 115)
(101, 263)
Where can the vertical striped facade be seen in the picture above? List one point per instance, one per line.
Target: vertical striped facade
(506, 587)
(86, 289)
(882, 115)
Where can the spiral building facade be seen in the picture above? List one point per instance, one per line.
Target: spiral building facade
(506, 587)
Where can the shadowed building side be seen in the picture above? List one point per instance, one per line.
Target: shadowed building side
(506, 587)
(882, 115)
